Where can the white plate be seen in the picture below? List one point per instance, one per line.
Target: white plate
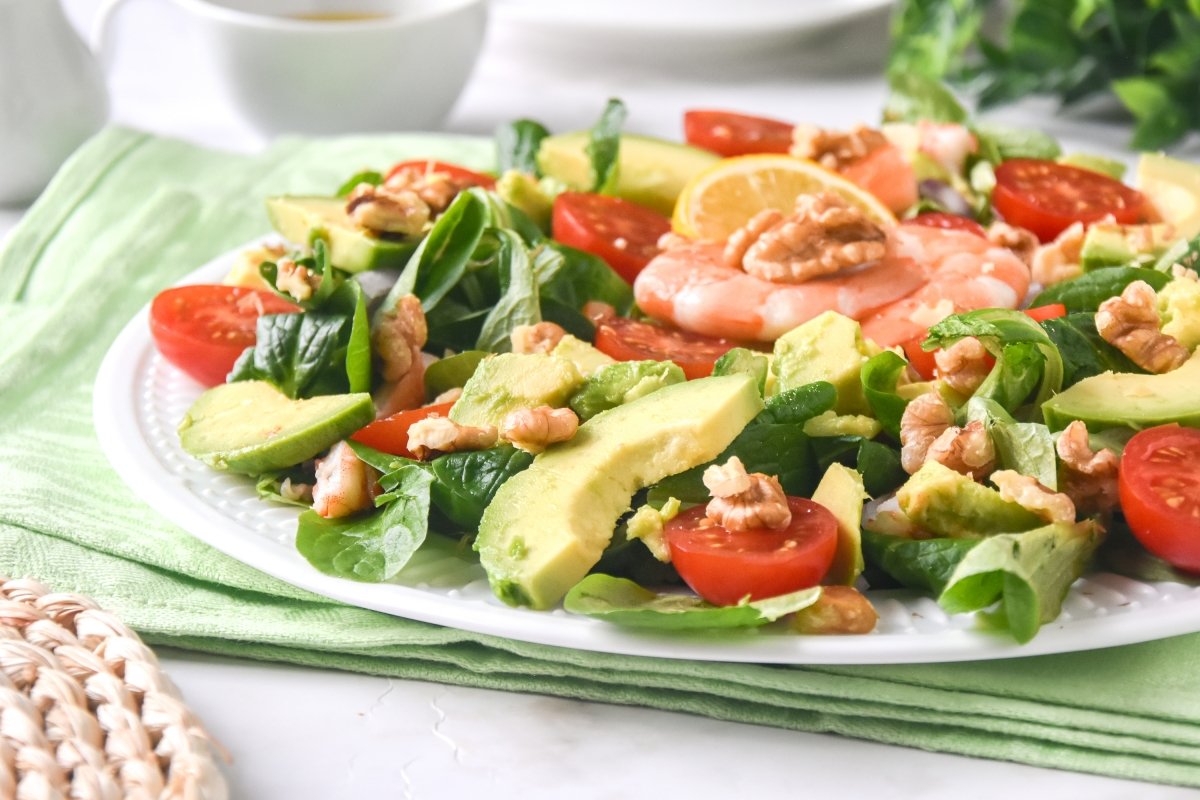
(139, 399)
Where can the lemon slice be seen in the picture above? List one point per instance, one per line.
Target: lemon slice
(722, 198)
(1173, 187)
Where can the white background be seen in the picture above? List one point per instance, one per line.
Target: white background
(303, 733)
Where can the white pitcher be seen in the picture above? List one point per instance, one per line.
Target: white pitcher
(52, 95)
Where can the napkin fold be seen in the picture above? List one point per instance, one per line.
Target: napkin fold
(131, 213)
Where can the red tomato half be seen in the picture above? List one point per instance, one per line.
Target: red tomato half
(629, 340)
(1160, 493)
(1047, 197)
(729, 134)
(940, 219)
(390, 434)
(460, 175)
(203, 329)
(622, 233)
(723, 566)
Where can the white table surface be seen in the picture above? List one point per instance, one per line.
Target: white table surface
(304, 733)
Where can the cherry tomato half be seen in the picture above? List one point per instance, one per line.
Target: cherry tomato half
(390, 434)
(622, 233)
(729, 134)
(460, 175)
(940, 219)
(1160, 493)
(202, 329)
(1047, 197)
(723, 566)
(630, 340)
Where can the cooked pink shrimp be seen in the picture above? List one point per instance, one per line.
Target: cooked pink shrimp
(947, 143)
(962, 272)
(926, 269)
(345, 484)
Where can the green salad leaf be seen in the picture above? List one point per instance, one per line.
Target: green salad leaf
(1026, 447)
(1084, 351)
(517, 144)
(374, 547)
(1090, 289)
(624, 602)
(604, 146)
(465, 483)
(366, 176)
(739, 359)
(880, 374)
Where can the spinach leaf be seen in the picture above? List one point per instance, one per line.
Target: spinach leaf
(440, 261)
(925, 564)
(1018, 370)
(572, 277)
(999, 143)
(465, 483)
(604, 147)
(303, 355)
(517, 144)
(624, 602)
(1084, 351)
(451, 372)
(366, 176)
(375, 547)
(879, 376)
(518, 301)
(880, 467)
(1089, 290)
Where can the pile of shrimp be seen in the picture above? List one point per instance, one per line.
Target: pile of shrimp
(926, 275)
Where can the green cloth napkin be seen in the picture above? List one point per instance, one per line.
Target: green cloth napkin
(130, 214)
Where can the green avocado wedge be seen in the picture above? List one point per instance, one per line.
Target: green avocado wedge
(1127, 400)
(250, 427)
(548, 525)
(301, 219)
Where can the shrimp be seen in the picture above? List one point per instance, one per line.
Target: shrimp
(926, 271)
(345, 484)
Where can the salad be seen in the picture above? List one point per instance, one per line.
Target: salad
(728, 383)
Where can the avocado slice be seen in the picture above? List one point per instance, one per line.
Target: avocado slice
(1179, 306)
(1129, 400)
(946, 503)
(509, 381)
(841, 491)
(1173, 187)
(651, 172)
(829, 347)
(302, 219)
(1107, 244)
(549, 525)
(586, 358)
(250, 427)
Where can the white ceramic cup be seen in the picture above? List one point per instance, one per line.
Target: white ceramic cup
(290, 69)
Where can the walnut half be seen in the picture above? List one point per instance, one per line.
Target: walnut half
(535, 429)
(745, 501)
(823, 235)
(382, 210)
(435, 435)
(1027, 492)
(1131, 324)
(1088, 477)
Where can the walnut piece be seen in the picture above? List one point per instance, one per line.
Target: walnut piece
(835, 150)
(382, 210)
(1029, 493)
(745, 501)
(436, 189)
(1131, 324)
(436, 434)
(1021, 242)
(399, 335)
(839, 610)
(1058, 261)
(300, 282)
(925, 419)
(968, 450)
(963, 365)
(1088, 477)
(535, 429)
(539, 338)
(822, 236)
(345, 484)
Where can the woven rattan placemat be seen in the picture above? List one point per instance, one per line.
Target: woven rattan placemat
(86, 711)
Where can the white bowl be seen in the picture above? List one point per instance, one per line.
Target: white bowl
(400, 65)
